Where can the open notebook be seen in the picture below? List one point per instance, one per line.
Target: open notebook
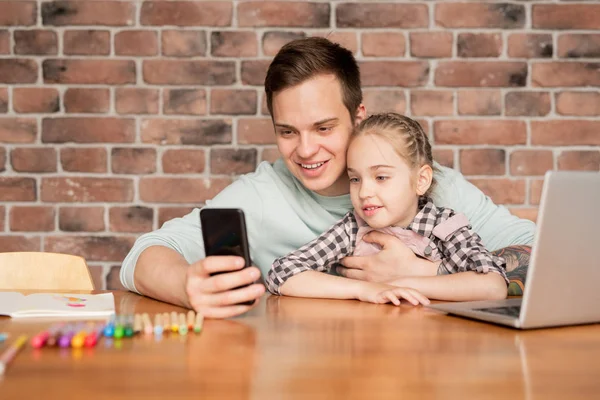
(17, 305)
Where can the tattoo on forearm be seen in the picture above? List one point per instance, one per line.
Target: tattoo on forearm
(517, 262)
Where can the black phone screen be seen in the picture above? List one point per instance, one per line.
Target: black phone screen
(224, 233)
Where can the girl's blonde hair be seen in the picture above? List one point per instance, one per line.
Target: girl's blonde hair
(404, 134)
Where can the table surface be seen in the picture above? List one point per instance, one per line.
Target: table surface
(296, 348)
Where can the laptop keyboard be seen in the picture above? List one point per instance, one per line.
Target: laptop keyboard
(512, 311)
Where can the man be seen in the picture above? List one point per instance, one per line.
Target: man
(315, 100)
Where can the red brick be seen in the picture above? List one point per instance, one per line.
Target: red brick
(184, 101)
(232, 161)
(565, 16)
(431, 44)
(479, 45)
(133, 160)
(3, 100)
(18, 12)
(4, 42)
(535, 191)
(382, 100)
(186, 13)
(535, 104)
(92, 248)
(530, 45)
(382, 15)
(254, 72)
(108, 13)
(276, 13)
(502, 191)
(481, 74)
(234, 44)
(186, 131)
(113, 279)
(17, 189)
(579, 160)
(578, 103)
(444, 157)
(97, 274)
(86, 42)
(525, 213)
(565, 132)
(483, 162)
(18, 130)
(503, 132)
(270, 155)
(394, 73)
(29, 159)
(84, 100)
(531, 162)
(13, 70)
(480, 15)
(479, 102)
(2, 161)
(233, 102)
(2, 218)
(38, 42)
(131, 219)
(579, 45)
(88, 130)
(345, 39)
(81, 219)
(273, 41)
(32, 219)
(183, 43)
(77, 159)
(36, 100)
(168, 213)
(431, 102)
(383, 44)
(180, 190)
(19, 243)
(556, 74)
(88, 190)
(183, 161)
(136, 43)
(255, 131)
(180, 72)
(108, 72)
(136, 101)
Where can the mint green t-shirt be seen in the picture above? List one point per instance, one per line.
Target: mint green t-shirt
(282, 215)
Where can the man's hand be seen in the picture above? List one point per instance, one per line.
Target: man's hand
(218, 296)
(395, 260)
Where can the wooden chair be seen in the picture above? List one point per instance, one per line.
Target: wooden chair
(44, 271)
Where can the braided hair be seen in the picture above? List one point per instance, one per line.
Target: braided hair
(404, 134)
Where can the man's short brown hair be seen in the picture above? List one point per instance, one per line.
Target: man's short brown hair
(302, 59)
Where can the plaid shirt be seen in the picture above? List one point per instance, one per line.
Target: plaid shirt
(442, 234)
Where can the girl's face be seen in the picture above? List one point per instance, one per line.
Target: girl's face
(383, 187)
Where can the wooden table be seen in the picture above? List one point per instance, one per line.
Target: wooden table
(298, 348)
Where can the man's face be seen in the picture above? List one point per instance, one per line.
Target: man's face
(313, 128)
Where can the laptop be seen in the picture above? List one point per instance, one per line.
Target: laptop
(563, 279)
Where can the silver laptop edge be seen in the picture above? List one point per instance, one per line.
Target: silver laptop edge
(563, 278)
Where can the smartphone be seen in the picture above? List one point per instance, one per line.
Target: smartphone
(224, 233)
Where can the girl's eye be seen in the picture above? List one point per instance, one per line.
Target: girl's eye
(353, 180)
(381, 178)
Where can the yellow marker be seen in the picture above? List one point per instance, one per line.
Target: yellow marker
(183, 329)
(174, 322)
(198, 323)
(78, 339)
(166, 322)
(148, 328)
(10, 353)
(190, 320)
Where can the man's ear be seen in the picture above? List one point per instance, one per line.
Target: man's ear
(361, 113)
(424, 179)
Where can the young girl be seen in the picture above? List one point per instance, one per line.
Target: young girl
(390, 168)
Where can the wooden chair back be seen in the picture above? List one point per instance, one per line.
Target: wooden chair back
(44, 271)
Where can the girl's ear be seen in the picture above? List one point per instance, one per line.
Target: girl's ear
(424, 178)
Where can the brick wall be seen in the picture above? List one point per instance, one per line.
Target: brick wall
(118, 115)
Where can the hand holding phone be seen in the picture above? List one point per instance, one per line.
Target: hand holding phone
(224, 233)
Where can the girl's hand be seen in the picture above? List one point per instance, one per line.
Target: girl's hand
(380, 293)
